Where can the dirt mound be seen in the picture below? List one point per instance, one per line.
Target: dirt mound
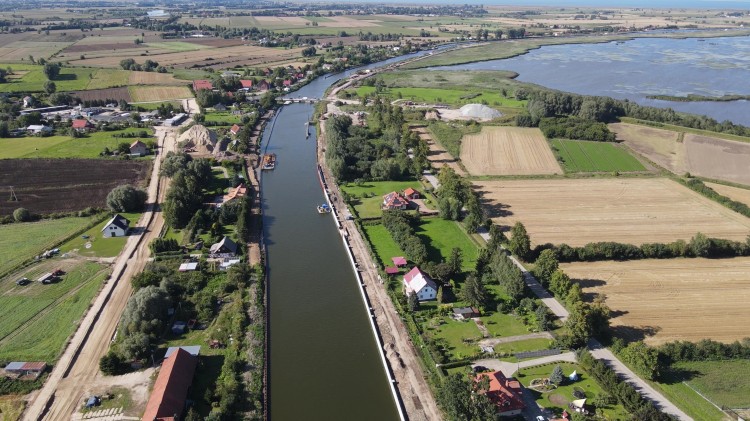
(479, 111)
(198, 139)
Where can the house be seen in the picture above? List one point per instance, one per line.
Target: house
(38, 128)
(235, 192)
(287, 83)
(116, 227)
(411, 194)
(28, 102)
(167, 401)
(417, 282)
(28, 370)
(81, 125)
(225, 246)
(246, 84)
(465, 313)
(506, 394)
(220, 107)
(264, 85)
(394, 201)
(235, 129)
(202, 84)
(138, 148)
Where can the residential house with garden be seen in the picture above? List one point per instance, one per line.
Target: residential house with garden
(394, 201)
(417, 282)
(116, 227)
(506, 394)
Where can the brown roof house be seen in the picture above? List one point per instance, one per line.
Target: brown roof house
(138, 148)
(167, 401)
(394, 201)
(505, 393)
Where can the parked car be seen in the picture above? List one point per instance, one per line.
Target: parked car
(23, 281)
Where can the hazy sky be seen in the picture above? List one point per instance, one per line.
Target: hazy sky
(713, 4)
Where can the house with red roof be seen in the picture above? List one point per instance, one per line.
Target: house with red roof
(394, 201)
(506, 394)
(287, 83)
(235, 192)
(81, 125)
(246, 84)
(235, 129)
(202, 84)
(411, 194)
(417, 282)
(264, 85)
(167, 401)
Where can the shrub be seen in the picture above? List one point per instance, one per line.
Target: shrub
(21, 215)
(126, 198)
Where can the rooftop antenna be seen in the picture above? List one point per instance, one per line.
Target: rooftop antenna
(13, 197)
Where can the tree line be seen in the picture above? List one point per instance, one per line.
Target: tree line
(454, 194)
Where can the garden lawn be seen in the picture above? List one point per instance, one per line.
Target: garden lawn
(70, 79)
(680, 394)
(21, 242)
(565, 391)
(502, 325)
(441, 236)
(523, 346)
(452, 334)
(369, 207)
(454, 97)
(226, 118)
(98, 245)
(39, 318)
(382, 243)
(586, 156)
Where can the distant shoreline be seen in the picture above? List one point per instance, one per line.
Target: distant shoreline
(700, 98)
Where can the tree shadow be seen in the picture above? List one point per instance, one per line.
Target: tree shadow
(634, 333)
(493, 208)
(674, 375)
(65, 76)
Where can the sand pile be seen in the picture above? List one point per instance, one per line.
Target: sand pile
(479, 111)
(200, 139)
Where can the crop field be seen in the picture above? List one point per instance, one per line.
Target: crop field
(107, 78)
(37, 318)
(20, 242)
(583, 156)
(19, 51)
(734, 193)
(65, 185)
(70, 79)
(634, 211)
(65, 146)
(115, 94)
(153, 78)
(675, 299)
(658, 145)
(159, 93)
(508, 151)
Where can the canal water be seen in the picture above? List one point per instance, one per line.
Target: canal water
(324, 361)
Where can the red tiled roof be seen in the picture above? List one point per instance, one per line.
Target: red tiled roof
(171, 387)
(235, 129)
(504, 393)
(202, 84)
(399, 261)
(410, 191)
(247, 83)
(391, 270)
(394, 200)
(287, 82)
(80, 124)
(34, 366)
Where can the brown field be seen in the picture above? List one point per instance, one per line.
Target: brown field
(704, 156)
(20, 51)
(734, 193)
(159, 93)
(115, 94)
(630, 210)
(438, 156)
(153, 78)
(508, 151)
(64, 185)
(675, 299)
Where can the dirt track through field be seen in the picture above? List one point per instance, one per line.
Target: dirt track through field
(508, 151)
(675, 299)
(437, 155)
(626, 210)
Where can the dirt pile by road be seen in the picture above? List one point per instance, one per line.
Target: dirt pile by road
(199, 139)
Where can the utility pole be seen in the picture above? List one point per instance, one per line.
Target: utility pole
(13, 197)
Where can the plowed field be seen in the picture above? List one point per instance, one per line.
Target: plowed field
(635, 210)
(508, 151)
(667, 300)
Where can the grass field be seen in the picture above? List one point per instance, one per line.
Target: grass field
(454, 97)
(98, 245)
(65, 146)
(20, 242)
(632, 210)
(508, 151)
(441, 236)
(226, 118)
(726, 383)
(674, 387)
(382, 243)
(459, 337)
(650, 297)
(11, 407)
(177, 46)
(37, 319)
(159, 93)
(108, 78)
(70, 79)
(369, 207)
(522, 346)
(583, 156)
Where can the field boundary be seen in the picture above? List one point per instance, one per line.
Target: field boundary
(702, 396)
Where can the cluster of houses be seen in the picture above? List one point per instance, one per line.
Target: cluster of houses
(292, 76)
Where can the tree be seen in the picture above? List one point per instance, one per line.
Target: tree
(412, 302)
(643, 359)
(545, 266)
(465, 399)
(52, 70)
(21, 215)
(174, 162)
(557, 375)
(474, 292)
(578, 324)
(700, 245)
(520, 243)
(135, 346)
(559, 283)
(455, 260)
(126, 198)
(50, 87)
(60, 98)
(441, 295)
(111, 364)
(146, 311)
(543, 321)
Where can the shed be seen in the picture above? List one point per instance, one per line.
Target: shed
(23, 368)
(220, 107)
(138, 148)
(465, 312)
(188, 267)
(193, 350)
(399, 261)
(391, 270)
(46, 278)
(235, 129)
(179, 327)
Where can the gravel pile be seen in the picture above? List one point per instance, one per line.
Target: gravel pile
(199, 138)
(479, 111)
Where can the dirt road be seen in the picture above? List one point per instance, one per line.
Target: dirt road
(78, 366)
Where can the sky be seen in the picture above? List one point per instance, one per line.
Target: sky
(693, 4)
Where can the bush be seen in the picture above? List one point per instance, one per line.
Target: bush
(126, 198)
(112, 364)
(21, 215)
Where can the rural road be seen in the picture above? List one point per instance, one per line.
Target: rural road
(509, 339)
(78, 366)
(510, 368)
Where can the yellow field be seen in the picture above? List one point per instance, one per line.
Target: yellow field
(658, 145)
(631, 210)
(153, 78)
(508, 151)
(734, 193)
(676, 299)
(159, 93)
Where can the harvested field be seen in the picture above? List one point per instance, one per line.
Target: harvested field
(718, 158)
(153, 78)
(159, 93)
(114, 94)
(438, 156)
(64, 185)
(667, 300)
(216, 42)
(658, 145)
(634, 211)
(508, 151)
(734, 193)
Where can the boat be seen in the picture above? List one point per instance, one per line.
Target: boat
(269, 161)
(324, 208)
(307, 129)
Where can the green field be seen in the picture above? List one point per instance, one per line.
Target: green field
(37, 318)
(70, 79)
(441, 236)
(65, 146)
(176, 46)
(584, 156)
(108, 78)
(98, 245)
(225, 118)
(382, 243)
(522, 346)
(21, 242)
(454, 97)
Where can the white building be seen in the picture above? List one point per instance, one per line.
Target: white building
(416, 282)
(116, 227)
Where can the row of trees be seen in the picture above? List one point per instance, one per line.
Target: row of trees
(399, 225)
(698, 186)
(147, 66)
(185, 196)
(455, 194)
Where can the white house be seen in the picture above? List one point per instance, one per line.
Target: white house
(38, 128)
(116, 227)
(416, 282)
(138, 148)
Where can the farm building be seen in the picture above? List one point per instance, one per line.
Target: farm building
(202, 84)
(235, 129)
(176, 120)
(167, 401)
(417, 282)
(506, 394)
(25, 370)
(81, 125)
(465, 313)
(394, 201)
(246, 84)
(116, 227)
(225, 246)
(138, 148)
(38, 128)
(235, 192)
(411, 194)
